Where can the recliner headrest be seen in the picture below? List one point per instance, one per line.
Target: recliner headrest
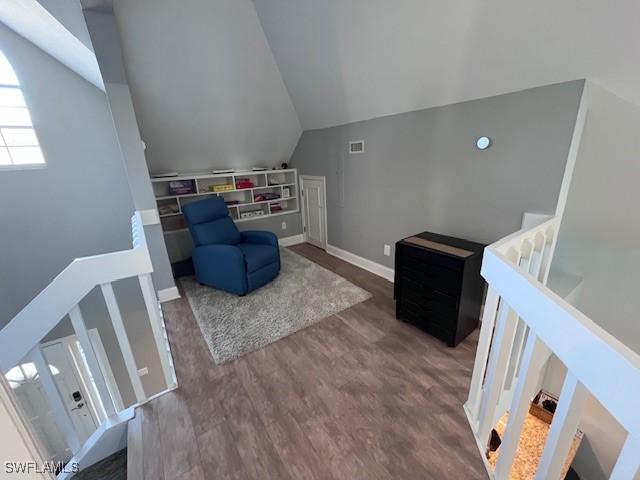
(206, 210)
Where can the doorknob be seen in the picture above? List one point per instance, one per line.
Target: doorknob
(78, 407)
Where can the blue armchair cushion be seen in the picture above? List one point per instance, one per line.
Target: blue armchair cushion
(257, 256)
(209, 222)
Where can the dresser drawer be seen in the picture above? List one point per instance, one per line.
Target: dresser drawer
(432, 258)
(432, 276)
(417, 292)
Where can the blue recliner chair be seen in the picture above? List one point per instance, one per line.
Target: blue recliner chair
(223, 257)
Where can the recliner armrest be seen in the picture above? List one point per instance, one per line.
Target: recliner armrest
(260, 236)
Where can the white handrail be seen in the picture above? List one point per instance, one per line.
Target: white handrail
(507, 368)
(609, 369)
(22, 336)
(66, 290)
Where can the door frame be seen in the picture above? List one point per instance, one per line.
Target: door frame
(324, 206)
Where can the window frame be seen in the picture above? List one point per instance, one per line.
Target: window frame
(19, 166)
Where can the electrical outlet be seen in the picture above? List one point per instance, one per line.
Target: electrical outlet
(387, 250)
(284, 225)
(143, 371)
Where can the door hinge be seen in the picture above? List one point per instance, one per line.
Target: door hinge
(301, 193)
(304, 229)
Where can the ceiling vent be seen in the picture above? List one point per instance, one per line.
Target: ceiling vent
(356, 147)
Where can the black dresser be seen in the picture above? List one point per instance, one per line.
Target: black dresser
(438, 286)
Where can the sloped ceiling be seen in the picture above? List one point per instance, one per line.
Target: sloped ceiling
(205, 86)
(348, 60)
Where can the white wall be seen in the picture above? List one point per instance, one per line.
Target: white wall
(599, 241)
(350, 60)
(206, 89)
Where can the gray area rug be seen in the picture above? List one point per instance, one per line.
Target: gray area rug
(303, 294)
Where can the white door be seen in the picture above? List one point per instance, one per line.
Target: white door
(315, 217)
(28, 389)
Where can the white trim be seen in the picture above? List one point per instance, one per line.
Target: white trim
(21, 435)
(292, 240)
(572, 155)
(150, 216)
(105, 441)
(324, 207)
(168, 294)
(105, 366)
(29, 19)
(481, 448)
(373, 267)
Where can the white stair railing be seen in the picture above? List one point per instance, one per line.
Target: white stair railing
(21, 337)
(524, 323)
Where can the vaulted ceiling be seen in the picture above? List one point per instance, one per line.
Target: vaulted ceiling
(348, 60)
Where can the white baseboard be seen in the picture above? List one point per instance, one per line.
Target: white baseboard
(168, 294)
(292, 240)
(373, 267)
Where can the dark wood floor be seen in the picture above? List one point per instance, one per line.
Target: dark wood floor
(358, 395)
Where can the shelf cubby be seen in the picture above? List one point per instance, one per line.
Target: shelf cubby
(271, 181)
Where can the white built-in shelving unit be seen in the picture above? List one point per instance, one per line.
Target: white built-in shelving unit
(240, 201)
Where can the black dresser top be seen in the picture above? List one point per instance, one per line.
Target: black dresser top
(424, 240)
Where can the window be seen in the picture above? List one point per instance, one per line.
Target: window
(19, 146)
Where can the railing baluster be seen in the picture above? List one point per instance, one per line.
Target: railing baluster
(540, 244)
(497, 368)
(550, 244)
(534, 358)
(90, 355)
(563, 428)
(482, 352)
(58, 408)
(628, 463)
(516, 354)
(123, 340)
(151, 302)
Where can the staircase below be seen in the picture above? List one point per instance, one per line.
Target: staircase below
(113, 467)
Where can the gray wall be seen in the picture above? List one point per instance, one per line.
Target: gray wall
(78, 205)
(421, 170)
(206, 89)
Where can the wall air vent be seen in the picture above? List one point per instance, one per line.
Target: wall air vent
(356, 146)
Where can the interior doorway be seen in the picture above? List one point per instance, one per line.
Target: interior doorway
(314, 210)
